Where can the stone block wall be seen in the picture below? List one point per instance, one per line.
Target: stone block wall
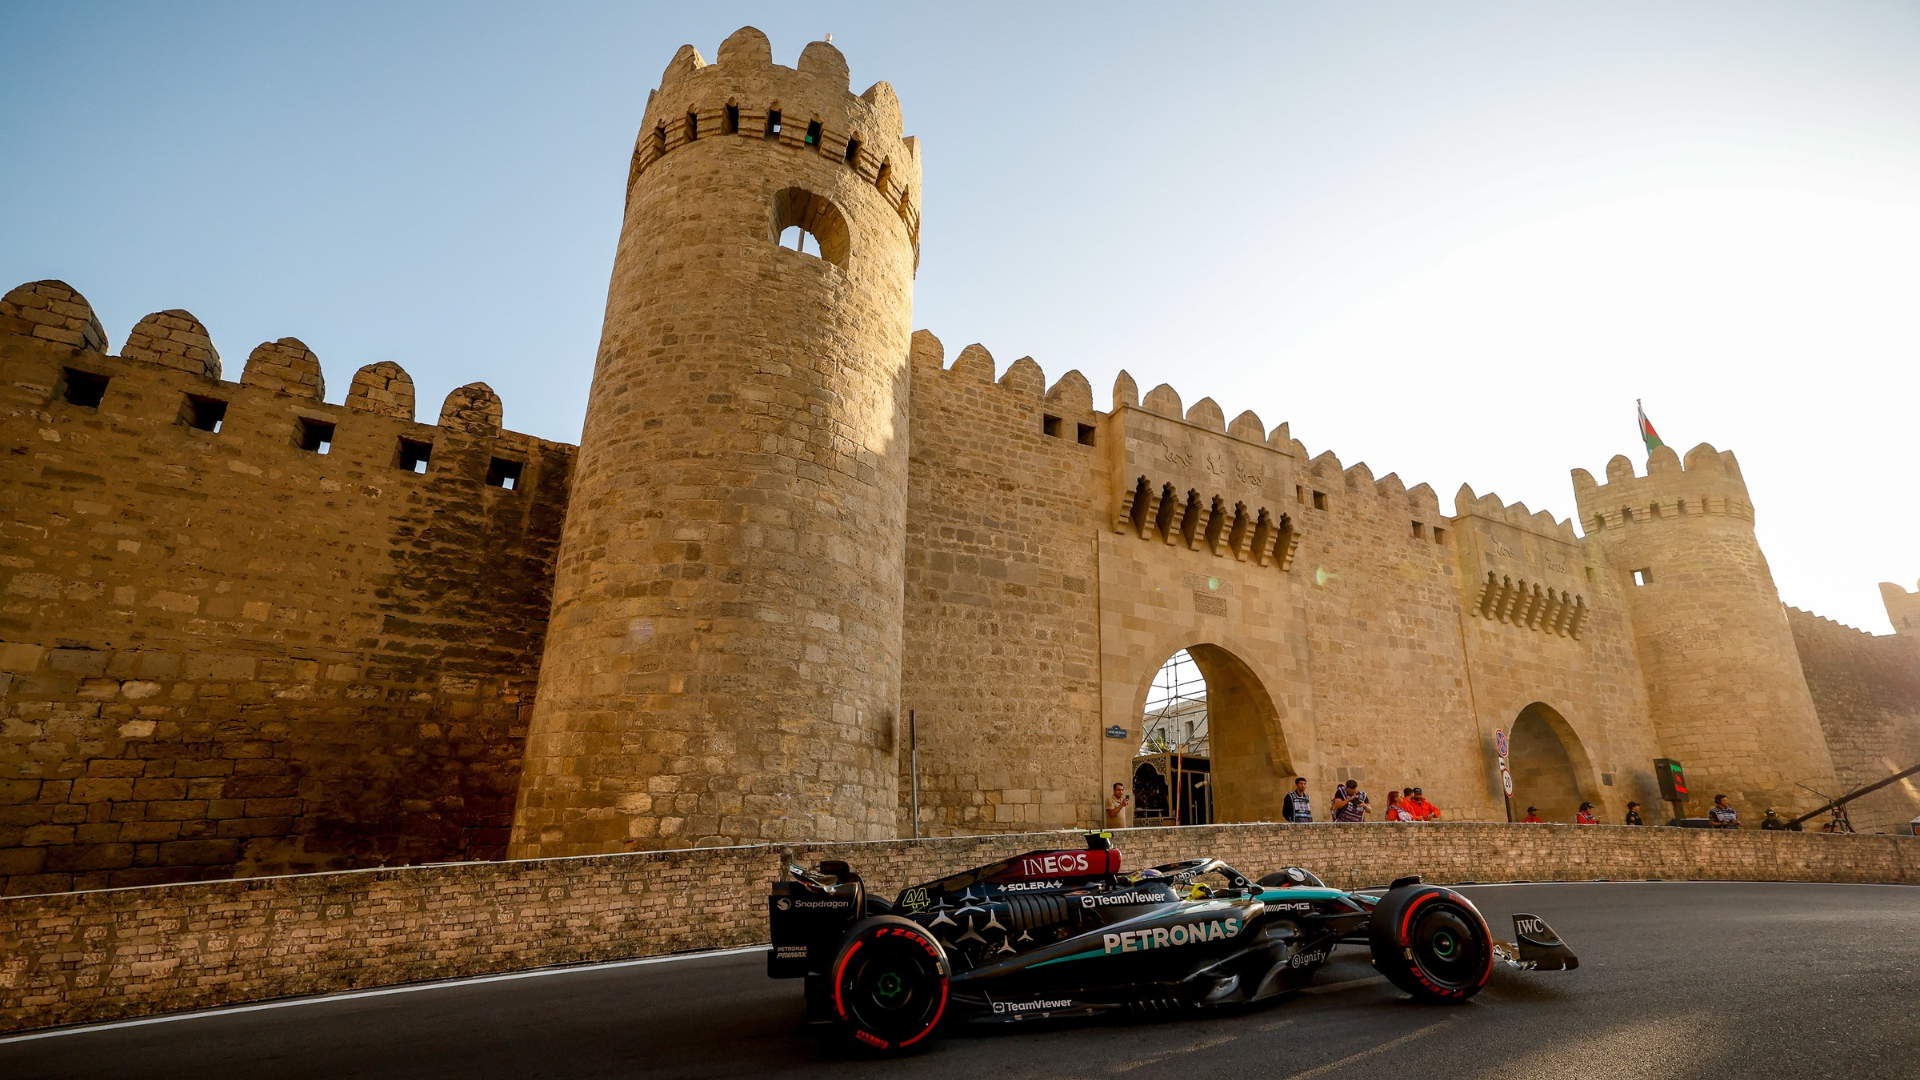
(224, 653)
(80, 957)
(1867, 690)
(1002, 643)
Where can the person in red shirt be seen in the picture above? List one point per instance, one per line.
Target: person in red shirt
(1585, 816)
(1397, 810)
(1421, 808)
(1533, 817)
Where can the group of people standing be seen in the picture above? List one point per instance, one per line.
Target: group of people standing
(1349, 803)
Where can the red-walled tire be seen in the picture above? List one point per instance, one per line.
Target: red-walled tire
(1432, 943)
(889, 985)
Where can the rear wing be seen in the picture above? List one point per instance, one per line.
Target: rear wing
(808, 914)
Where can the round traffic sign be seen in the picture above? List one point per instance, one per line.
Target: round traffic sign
(1500, 742)
(1506, 781)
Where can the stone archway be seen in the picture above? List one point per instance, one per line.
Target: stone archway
(1549, 764)
(1251, 769)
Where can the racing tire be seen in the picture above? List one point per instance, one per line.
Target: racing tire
(889, 985)
(1432, 943)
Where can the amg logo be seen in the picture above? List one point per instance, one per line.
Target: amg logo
(1003, 1007)
(1134, 897)
(1162, 936)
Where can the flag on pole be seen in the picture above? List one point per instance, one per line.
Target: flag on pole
(1647, 434)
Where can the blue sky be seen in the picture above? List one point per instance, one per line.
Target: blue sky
(1453, 241)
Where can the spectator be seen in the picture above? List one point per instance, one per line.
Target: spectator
(1350, 803)
(1533, 817)
(1772, 821)
(1422, 809)
(1633, 814)
(1585, 816)
(1297, 808)
(1117, 807)
(1723, 816)
(1397, 810)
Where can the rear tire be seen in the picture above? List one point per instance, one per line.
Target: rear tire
(1432, 943)
(889, 985)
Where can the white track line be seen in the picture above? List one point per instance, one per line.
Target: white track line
(1354, 1059)
(384, 991)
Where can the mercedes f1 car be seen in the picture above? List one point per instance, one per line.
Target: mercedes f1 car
(1067, 933)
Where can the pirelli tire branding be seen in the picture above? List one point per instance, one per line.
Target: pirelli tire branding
(1161, 937)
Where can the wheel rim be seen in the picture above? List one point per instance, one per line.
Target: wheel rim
(1449, 946)
(892, 988)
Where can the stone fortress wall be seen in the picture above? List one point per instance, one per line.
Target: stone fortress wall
(221, 653)
(802, 550)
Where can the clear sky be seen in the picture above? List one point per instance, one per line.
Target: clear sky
(1455, 241)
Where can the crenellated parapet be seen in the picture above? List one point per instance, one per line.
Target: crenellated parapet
(806, 109)
(1708, 483)
(169, 375)
(1522, 569)
(1903, 608)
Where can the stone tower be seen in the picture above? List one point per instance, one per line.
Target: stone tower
(723, 663)
(1723, 675)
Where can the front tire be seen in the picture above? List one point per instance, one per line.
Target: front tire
(1432, 943)
(889, 984)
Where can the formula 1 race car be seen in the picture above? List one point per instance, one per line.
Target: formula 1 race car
(1067, 933)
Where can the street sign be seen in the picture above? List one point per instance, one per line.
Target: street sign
(1500, 743)
(1673, 782)
(1506, 781)
(1116, 732)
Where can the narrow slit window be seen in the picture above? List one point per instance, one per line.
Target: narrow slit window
(203, 413)
(813, 134)
(82, 388)
(1050, 425)
(1086, 434)
(1419, 530)
(1300, 494)
(731, 125)
(503, 473)
(853, 152)
(315, 436)
(773, 123)
(414, 455)
(1642, 577)
(1599, 522)
(1439, 535)
(1319, 500)
(660, 141)
(880, 178)
(693, 125)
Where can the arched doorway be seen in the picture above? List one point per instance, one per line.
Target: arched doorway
(1548, 763)
(1211, 748)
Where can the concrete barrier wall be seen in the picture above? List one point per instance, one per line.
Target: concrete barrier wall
(69, 958)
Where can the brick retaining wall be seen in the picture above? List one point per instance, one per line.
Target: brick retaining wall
(70, 958)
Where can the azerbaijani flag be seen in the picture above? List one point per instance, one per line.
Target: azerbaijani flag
(1647, 434)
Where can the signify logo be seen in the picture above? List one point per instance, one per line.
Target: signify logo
(1160, 937)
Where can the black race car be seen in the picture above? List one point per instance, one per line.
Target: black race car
(1067, 933)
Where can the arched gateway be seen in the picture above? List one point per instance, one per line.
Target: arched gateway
(1238, 768)
(1549, 764)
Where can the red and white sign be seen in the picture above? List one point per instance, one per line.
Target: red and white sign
(1506, 780)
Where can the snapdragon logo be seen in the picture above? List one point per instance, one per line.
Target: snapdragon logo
(817, 904)
(1162, 936)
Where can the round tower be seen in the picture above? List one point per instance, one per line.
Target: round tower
(1724, 682)
(723, 661)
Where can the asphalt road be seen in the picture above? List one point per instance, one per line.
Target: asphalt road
(1676, 980)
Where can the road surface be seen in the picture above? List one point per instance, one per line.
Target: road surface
(1676, 980)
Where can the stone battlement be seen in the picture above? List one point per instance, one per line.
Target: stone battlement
(808, 108)
(1709, 483)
